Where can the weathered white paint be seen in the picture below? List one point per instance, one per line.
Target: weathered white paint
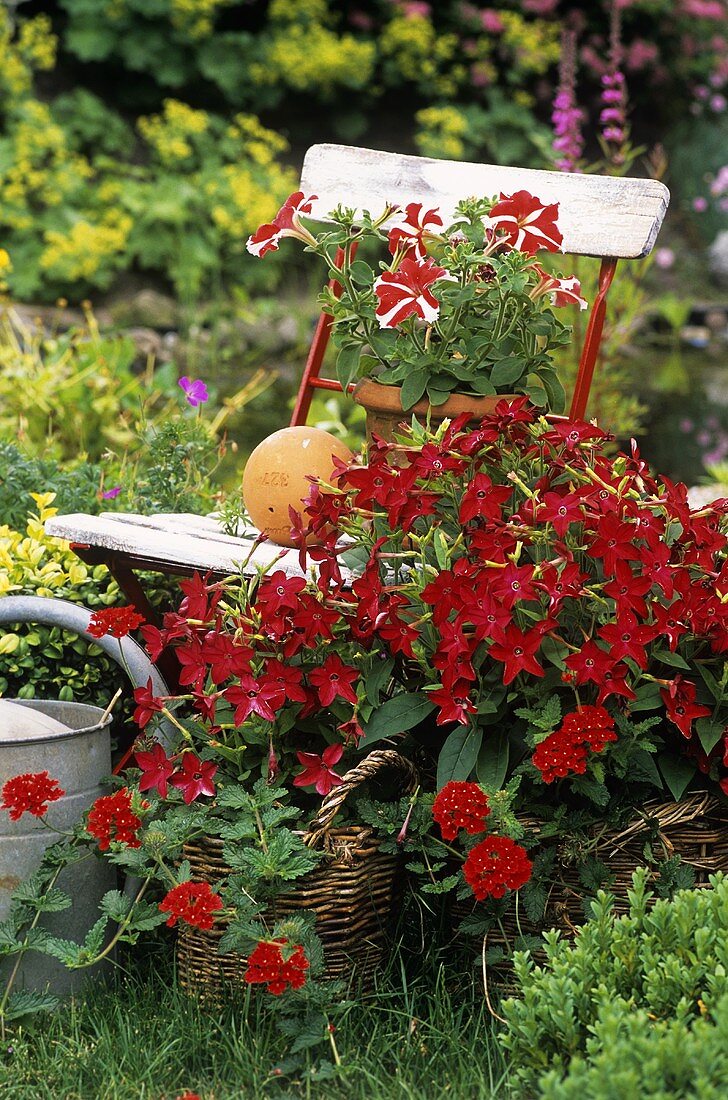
(598, 215)
(164, 539)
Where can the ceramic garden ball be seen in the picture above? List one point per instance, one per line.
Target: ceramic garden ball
(277, 472)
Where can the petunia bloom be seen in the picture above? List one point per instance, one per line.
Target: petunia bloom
(406, 293)
(285, 224)
(409, 234)
(527, 224)
(31, 792)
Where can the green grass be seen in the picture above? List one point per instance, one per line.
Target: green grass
(423, 1033)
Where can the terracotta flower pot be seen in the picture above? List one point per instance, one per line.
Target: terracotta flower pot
(384, 407)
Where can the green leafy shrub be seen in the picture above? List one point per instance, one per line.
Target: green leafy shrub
(631, 1054)
(75, 486)
(622, 1002)
(48, 662)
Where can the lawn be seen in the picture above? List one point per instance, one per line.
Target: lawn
(424, 1031)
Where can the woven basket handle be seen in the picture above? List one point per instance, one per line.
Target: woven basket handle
(365, 769)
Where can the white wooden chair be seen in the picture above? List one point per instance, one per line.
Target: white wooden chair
(608, 217)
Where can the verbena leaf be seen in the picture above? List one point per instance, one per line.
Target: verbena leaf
(459, 754)
(26, 1001)
(396, 715)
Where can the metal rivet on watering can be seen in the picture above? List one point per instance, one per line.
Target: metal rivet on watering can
(71, 742)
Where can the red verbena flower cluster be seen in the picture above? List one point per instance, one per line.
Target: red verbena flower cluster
(30, 793)
(116, 621)
(269, 966)
(566, 751)
(111, 818)
(460, 806)
(195, 903)
(495, 865)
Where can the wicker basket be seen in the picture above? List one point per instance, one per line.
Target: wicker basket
(696, 829)
(353, 894)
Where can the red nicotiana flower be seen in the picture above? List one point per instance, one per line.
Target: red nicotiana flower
(527, 224)
(278, 592)
(483, 498)
(199, 604)
(334, 680)
(406, 293)
(679, 700)
(460, 806)
(253, 697)
(518, 652)
(268, 966)
(147, 704)
(285, 224)
(561, 510)
(225, 656)
(195, 903)
(111, 819)
(156, 768)
(454, 702)
(116, 621)
(195, 778)
(409, 235)
(495, 865)
(31, 792)
(318, 770)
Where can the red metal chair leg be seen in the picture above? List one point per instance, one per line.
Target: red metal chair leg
(592, 340)
(310, 380)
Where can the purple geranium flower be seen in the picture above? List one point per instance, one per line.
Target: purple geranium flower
(110, 494)
(195, 391)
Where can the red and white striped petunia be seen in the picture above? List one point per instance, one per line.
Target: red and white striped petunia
(527, 224)
(409, 235)
(285, 224)
(406, 292)
(564, 292)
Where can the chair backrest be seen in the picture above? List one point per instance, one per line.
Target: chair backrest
(610, 217)
(598, 215)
